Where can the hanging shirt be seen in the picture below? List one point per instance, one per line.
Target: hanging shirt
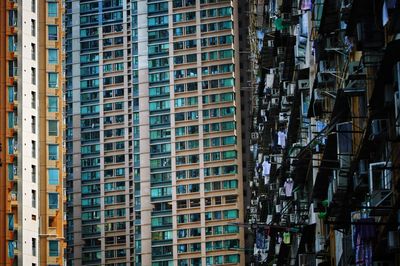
(266, 168)
(266, 180)
(288, 188)
(286, 238)
(282, 139)
(306, 5)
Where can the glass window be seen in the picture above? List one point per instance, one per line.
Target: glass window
(231, 214)
(53, 176)
(53, 248)
(53, 152)
(53, 104)
(52, 56)
(232, 258)
(52, 32)
(53, 201)
(53, 80)
(52, 9)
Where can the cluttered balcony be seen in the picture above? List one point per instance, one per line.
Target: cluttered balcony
(325, 132)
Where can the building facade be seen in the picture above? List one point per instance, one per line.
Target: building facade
(325, 127)
(31, 133)
(154, 142)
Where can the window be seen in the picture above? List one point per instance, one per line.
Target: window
(33, 170)
(33, 27)
(231, 214)
(33, 100)
(52, 56)
(53, 248)
(33, 194)
(53, 152)
(33, 246)
(53, 104)
(33, 51)
(13, 68)
(52, 80)
(53, 176)
(12, 43)
(33, 75)
(33, 149)
(52, 9)
(53, 201)
(52, 32)
(53, 128)
(33, 9)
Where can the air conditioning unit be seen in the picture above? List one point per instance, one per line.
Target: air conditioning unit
(290, 90)
(269, 80)
(281, 51)
(379, 127)
(254, 135)
(304, 84)
(274, 101)
(277, 158)
(273, 187)
(380, 176)
(341, 182)
(275, 92)
(270, 43)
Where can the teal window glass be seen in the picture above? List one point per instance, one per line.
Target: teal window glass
(52, 32)
(10, 94)
(10, 119)
(53, 128)
(52, 9)
(53, 104)
(53, 201)
(53, 176)
(53, 152)
(10, 169)
(52, 80)
(53, 248)
(231, 214)
(52, 56)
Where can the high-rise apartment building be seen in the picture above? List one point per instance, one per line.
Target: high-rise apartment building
(31, 133)
(154, 165)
